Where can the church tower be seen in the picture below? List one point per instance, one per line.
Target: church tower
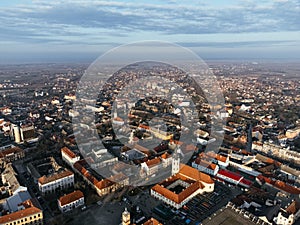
(125, 217)
(175, 161)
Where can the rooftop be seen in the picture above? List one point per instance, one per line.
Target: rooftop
(20, 214)
(69, 198)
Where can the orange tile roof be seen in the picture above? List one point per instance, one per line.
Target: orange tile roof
(178, 198)
(44, 180)
(69, 198)
(293, 208)
(205, 163)
(152, 221)
(280, 185)
(165, 155)
(153, 162)
(68, 152)
(8, 151)
(19, 215)
(195, 174)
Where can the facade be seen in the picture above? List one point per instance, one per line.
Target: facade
(69, 157)
(126, 217)
(102, 187)
(111, 184)
(31, 215)
(71, 201)
(61, 180)
(289, 215)
(205, 166)
(12, 154)
(180, 188)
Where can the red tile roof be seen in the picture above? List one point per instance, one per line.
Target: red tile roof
(8, 151)
(19, 214)
(280, 185)
(229, 174)
(69, 198)
(152, 221)
(153, 162)
(195, 174)
(44, 180)
(293, 208)
(68, 152)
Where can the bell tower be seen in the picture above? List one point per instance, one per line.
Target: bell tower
(175, 161)
(125, 217)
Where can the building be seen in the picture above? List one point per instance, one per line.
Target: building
(180, 188)
(205, 166)
(31, 215)
(292, 133)
(152, 221)
(111, 184)
(69, 157)
(9, 180)
(289, 215)
(12, 154)
(71, 201)
(104, 186)
(126, 217)
(59, 180)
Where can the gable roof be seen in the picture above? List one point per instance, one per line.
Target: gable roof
(69, 198)
(20, 214)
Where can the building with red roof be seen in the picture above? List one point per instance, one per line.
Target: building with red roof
(205, 166)
(180, 188)
(69, 156)
(60, 180)
(30, 215)
(71, 201)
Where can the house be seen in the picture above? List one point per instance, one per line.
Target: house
(71, 201)
(69, 156)
(205, 166)
(289, 215)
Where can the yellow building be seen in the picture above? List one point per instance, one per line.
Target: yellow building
(31, 215)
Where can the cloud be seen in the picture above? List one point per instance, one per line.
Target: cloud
(84, 21)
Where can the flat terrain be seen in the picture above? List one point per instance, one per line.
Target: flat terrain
(227, 217)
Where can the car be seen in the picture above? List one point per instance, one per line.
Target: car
(83, 208)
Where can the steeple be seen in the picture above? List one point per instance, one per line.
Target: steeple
(249, 138)
(175, 161)
(125, 217)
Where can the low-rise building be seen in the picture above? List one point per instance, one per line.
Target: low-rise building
(289, 215)
(69, 156)
(71, 201)
(31, 215)
(205, 166)
(12, 154)
(180, 188)
(59, 180)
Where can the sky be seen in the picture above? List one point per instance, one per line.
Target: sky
(81, 30)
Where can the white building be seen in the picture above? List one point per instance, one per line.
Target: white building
(61, 180)
(289, 215)
(69, 157)
(71, 201)
(205, 166)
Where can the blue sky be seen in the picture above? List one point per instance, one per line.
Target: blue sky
(70, 30)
